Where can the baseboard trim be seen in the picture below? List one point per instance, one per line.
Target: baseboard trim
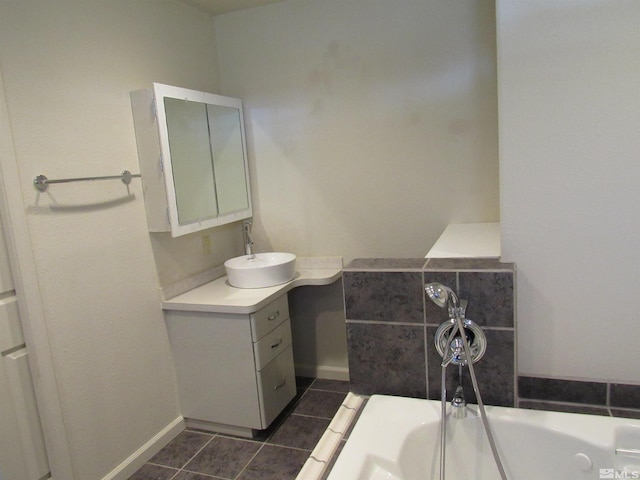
(138, 458)
(323, 371)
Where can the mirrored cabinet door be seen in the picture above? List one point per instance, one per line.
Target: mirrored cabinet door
(228, 157)
(193, 176)
(192, 152)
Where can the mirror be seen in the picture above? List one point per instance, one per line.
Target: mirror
(190, 149)
(227, 145)
(201, 145)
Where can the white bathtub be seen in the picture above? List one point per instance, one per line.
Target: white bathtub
(399, 438)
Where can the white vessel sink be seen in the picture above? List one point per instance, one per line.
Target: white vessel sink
(261, 269)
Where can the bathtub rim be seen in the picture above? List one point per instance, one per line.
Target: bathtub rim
(399, 416)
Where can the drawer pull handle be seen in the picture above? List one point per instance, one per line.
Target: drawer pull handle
(280, 385)
(277, 344)
(274, 315)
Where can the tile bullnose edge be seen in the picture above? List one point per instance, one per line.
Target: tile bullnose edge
(316, 465)
(385, 265)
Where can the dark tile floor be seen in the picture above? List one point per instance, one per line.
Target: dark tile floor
(277, 453)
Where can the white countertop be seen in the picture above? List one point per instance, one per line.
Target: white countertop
(468, 240)
(220, 297)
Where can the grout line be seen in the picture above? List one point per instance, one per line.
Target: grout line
(382, 322)
(200, 474)
(626, 409)
(309, 416)
(195, 454)
(250, 460)
(177, 471)
(280, 445)
(163, 466)
(427, 339)
(566, 404)
(484, 327)
(425, 335)
(560, 402)
(327, 390)
(240, 439)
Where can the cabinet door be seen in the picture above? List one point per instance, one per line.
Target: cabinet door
(22, 452)
(213, 357)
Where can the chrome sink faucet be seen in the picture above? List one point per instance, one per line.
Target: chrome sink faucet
(246, 235)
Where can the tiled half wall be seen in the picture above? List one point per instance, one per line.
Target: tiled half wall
(391, 326)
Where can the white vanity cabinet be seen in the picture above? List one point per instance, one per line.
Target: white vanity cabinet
(235, 372)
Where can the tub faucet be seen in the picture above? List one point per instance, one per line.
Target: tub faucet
(246, 235)
(459, 404)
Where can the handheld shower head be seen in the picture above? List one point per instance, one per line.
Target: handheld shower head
(442, 295)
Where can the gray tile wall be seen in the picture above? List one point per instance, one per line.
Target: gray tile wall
(391, 327)
(599, 398)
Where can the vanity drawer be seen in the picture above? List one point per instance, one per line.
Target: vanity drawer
(276, 386)
(269, 317)
(270, 346)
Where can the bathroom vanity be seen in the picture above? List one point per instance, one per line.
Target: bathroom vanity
(235, 371)
(233, 352)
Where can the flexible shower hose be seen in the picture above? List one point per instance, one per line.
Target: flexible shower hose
(476, 389)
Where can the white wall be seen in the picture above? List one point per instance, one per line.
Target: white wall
(68, 67)
(371, 124)
(569, 110)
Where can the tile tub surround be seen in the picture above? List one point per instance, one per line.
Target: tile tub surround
(387, 355)
(391, 326)
(278, 453)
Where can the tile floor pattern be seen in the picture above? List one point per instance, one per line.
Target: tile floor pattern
(277, 453)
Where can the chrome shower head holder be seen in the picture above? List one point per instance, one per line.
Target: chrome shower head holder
(456, 354)
(448, 339)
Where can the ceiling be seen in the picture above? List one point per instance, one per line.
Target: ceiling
(218, 7)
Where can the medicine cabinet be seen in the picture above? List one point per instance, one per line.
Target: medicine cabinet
(193, 158)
